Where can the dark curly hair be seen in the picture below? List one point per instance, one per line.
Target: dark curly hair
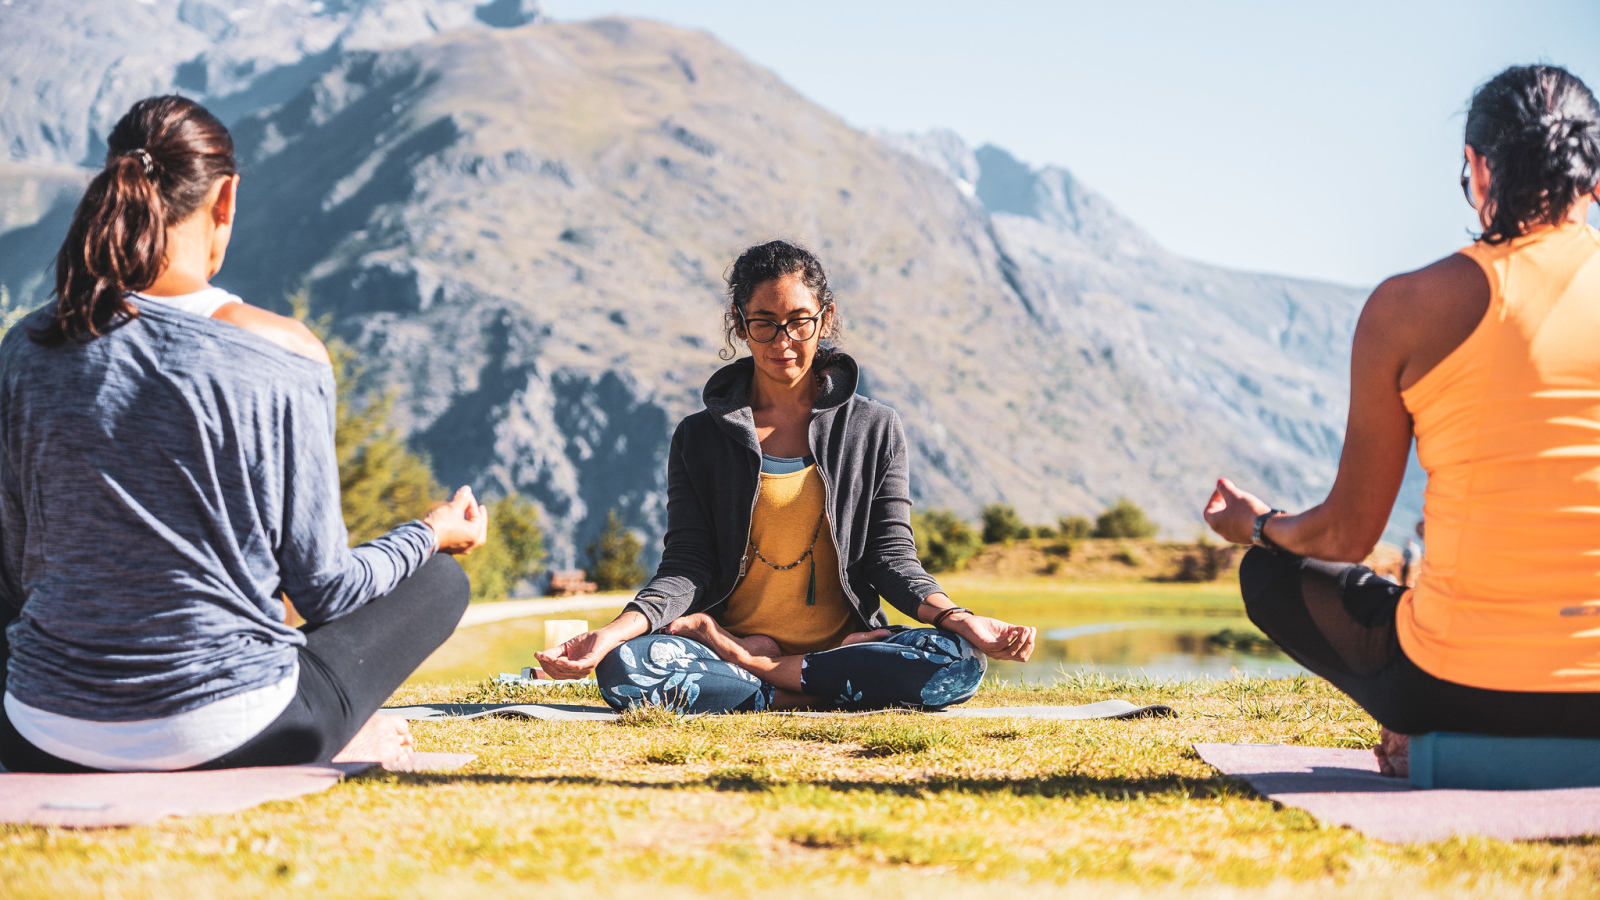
(1538, 129)
(770, 262)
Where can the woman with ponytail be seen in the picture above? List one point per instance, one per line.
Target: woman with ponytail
(167, 477)
(1491, 359)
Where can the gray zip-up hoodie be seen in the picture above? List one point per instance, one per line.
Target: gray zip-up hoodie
(714, 472)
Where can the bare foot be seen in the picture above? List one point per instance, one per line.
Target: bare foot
(731, 648)
(1394, 754)
(865, 637)
(385, 740)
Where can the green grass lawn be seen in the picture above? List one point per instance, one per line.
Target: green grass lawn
(881, 806)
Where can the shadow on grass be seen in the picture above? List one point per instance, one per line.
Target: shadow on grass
(753, 779)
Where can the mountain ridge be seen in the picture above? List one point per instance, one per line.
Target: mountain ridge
(522, 230)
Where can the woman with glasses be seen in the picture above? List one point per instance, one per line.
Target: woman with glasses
(788, 524)
(1491, 358)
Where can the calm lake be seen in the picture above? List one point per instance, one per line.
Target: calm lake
(1162, 631)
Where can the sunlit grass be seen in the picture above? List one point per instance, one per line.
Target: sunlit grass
(867, 806)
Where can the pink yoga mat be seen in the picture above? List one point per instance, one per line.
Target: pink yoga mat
(1344, 787)
(101, 800)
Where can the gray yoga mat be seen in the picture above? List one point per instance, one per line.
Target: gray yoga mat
(1344, 787)
(550, 712)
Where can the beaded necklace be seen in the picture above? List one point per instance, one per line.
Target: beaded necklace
(811, 586)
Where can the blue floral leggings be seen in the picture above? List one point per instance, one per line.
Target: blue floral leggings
(922, 668)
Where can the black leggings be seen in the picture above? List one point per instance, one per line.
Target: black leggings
(1337, 619)
(348, 668)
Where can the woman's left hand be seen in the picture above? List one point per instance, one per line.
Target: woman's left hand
(996, 639)
(1232, 513)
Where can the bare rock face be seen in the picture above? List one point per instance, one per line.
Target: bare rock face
(76, 67)
(524, 231)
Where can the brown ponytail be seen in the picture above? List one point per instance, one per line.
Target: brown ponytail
(163, 158)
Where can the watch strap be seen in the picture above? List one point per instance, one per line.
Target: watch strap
(1258, 534)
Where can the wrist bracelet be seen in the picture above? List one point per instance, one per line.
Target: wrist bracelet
(946, 613)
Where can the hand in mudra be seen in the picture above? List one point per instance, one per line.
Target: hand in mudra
(577, 657)
(461, 526)
(996, 639)
(1231, 513)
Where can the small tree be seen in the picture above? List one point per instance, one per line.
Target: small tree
(383, 483)
(944, 541)
(1124, 520)
(1074, 528)
(515, 550)
(614, 556)
(1000, 523)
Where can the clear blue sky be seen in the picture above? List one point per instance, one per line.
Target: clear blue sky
(1320, 140)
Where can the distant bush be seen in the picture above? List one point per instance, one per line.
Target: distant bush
(614, 557)
(1074, 528)
(514, 553)
(1206, 562)
(1044, 532)
(1001, 523)
(1128, 556)
(1124, 520)
(944, 541)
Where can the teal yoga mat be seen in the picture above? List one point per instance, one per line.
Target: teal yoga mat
(1488, 763)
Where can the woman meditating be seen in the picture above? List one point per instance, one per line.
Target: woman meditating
(167, 472)
(788, 523)
(1491, 357)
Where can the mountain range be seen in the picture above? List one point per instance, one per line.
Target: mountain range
(522, 226)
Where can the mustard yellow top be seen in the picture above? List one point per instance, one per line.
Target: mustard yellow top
(1508, 429)
(773, 602)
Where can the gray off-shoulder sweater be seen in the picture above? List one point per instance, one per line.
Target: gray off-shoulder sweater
(160, 487)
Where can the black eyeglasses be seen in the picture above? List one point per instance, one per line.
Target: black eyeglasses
(1466, 182)
(765, 331)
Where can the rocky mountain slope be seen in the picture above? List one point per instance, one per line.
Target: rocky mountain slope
(524, 229)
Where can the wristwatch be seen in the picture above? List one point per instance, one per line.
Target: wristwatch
(1258, 534)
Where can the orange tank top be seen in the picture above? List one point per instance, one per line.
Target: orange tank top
(1508, 429)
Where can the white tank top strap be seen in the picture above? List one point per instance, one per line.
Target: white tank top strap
(200, 303)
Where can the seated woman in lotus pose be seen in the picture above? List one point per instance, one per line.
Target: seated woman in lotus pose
(1491, 357)
(167, 470)
(788, 521)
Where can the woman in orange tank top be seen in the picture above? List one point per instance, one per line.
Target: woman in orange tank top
(1491, 359)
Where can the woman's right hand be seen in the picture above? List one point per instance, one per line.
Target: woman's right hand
(578, 657)
(460, 526)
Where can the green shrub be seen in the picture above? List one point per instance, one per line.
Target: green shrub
(944, 541)
(1074, 528)
(614, 556)
(1124, 520)
(1001, 523)
(382, 482)
(1128, 556)
(1044, 532)
(515, 550)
